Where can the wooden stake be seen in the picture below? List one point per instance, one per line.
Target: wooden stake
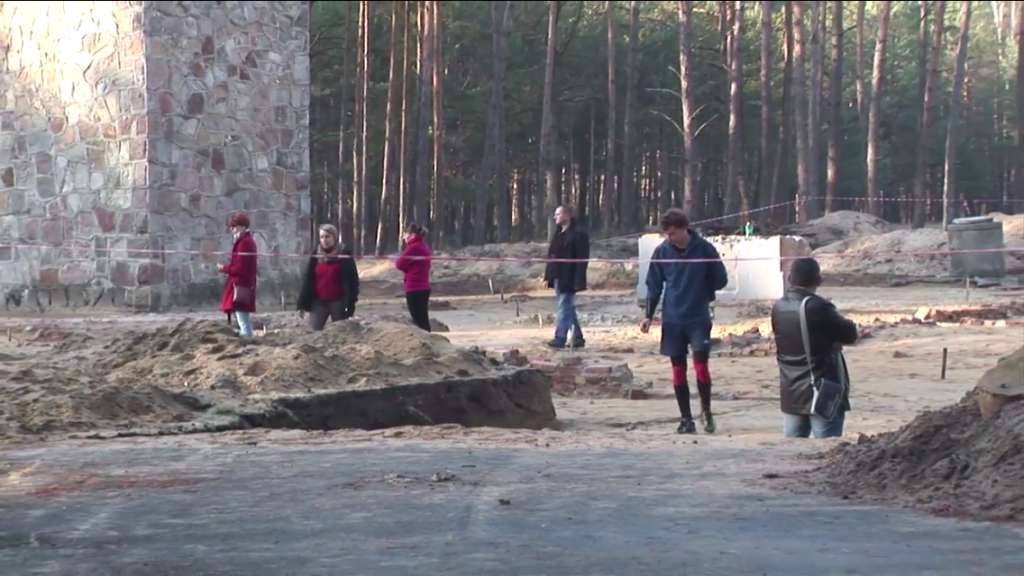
(945, 355)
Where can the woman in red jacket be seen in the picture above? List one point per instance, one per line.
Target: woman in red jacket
(415, 263)
(240, 289)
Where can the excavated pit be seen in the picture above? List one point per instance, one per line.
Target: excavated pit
(521, 399)
(197, 376)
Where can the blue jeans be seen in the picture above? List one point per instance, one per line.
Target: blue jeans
(803, 425)
(244, 323)
(567, 318)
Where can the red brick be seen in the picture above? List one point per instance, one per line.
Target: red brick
(208, 46)
(53, 232)
(150, 274)
(166, 103)
(105, 219)
(49, 278)
(636, 394)
(123, 274)
(217, 159)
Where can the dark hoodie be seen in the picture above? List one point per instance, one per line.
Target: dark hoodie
(348, 279)
(688, 286)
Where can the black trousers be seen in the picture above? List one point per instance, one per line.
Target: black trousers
(335, 310)
(419, 308)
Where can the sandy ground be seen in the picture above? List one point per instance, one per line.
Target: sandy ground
(889, 387)
(613, 491)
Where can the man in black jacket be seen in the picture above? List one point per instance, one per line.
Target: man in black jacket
(567, 278)
(827, 331)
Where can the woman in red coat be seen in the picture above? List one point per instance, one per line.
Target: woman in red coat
(240, 288)
(415, 263)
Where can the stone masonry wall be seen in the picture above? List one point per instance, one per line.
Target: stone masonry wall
(73, 135)
(129, 128)
(228, 93)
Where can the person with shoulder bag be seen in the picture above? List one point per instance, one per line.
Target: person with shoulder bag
(809, 335)
(330, 282)
(239, 297)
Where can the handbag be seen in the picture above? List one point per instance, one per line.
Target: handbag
(828, 392)
(242, 296)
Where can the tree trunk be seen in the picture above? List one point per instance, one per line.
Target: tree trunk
(949, 192)
(692, 203)
(875, 110)
(922, 53)
(735, 192)
(764, 164)
(420, 183)
(862, 96)
(345, 214)
(590, 205)
(610, 192)
(800, 108)
(489, 188)
(439, 204)
(389, 178)
(1019, 176)
(835, 133)
(927, 111)
(548, 156)
(786, 126)
(816, 83)
(664, 186)
(630, 204)
(359, 210)
(404, 197)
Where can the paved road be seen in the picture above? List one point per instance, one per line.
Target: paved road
(190, 507)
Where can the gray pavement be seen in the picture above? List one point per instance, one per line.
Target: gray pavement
(175, 507)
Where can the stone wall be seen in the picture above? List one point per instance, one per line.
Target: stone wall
(228, 100)
(73, 132)
(130, 130)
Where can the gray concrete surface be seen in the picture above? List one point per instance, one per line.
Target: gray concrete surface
(176, 506)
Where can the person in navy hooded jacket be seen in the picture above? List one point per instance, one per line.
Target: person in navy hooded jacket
(689, 288)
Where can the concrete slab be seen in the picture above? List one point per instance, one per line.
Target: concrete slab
(761, 279)
(182, 506)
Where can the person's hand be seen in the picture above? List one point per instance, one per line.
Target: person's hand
(645, 325)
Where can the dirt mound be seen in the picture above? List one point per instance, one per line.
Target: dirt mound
(887, 254)
(837, 226)
(514, 275)
(949, 461)
(1013, 226)
(177, 373)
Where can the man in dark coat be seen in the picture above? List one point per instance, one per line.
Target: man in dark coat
(827, 331)
(570, 242)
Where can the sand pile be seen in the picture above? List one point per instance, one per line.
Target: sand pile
(1013, 226)
(949, 461)
(888, 254)
(178, 373)
(511, 276)
(837, 226)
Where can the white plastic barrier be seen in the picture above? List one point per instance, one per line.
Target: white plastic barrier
(761, 279)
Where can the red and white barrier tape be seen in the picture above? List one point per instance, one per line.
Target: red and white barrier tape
(158, 253)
